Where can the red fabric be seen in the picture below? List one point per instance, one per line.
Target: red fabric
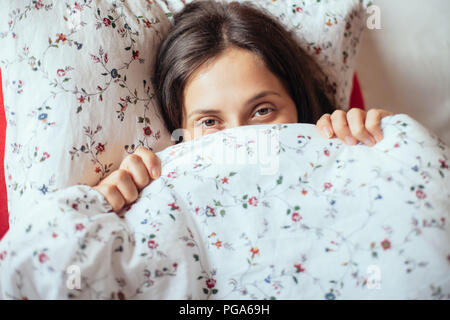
(356, 101)
(4, 225)
(356, 97)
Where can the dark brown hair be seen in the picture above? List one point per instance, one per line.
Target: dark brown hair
(204, 29)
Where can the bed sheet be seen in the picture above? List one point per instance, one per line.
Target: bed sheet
(254, 212)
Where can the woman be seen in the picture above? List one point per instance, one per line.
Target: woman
(225, 65)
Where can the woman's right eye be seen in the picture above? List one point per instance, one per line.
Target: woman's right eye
(208, 123)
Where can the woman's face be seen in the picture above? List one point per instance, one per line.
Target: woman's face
(235, 89)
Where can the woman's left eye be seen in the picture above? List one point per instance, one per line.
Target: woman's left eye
(264, 111)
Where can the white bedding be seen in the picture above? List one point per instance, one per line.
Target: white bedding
(314, 220)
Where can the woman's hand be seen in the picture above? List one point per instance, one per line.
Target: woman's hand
(354, 125)
(136, 171)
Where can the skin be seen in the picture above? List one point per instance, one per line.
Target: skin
(234, 89)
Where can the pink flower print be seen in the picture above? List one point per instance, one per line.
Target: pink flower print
(81, 99)
(253, 201)
(326, 152)
(317, 50)
(225, 180)
(327, 185)
(152, 244)
(98, 170)
(254, 251)
(61, 37)
(79, 227)
(299, 268)
(100, 147)
(172, 174)
(210, 283)
(43, 258)
(218, 243)
(444, 165)
(78, 6)
(148, 131)
(173, 206)
(210, 212)
(420, 194)
(38, 5)
(304, 192)
(121, 295)
(296, 217)
(60, 72)
(386, 244)
(148, 24)
(45, 155)
(397, 145)
(299, 10)
(135, 54)
(106, 22)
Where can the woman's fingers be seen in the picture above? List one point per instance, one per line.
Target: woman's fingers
(341, 127)
(373, 122)
(137, 169)
(112, 195)
(126, 185)
(151, 161)
(354, 125)
(356, 119)
(324, 126)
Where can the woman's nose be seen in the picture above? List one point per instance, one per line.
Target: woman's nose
(235, 123)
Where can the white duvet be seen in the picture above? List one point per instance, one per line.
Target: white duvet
(255, 212)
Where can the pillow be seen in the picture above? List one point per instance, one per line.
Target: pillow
(77, 88)
(77, 91)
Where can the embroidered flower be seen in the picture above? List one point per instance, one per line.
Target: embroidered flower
(152, 244)
(299, 268)
(327, 185)
(210, 283)
(386, 244)
(296, 217)
(209, 212)
(420, 194)
(43, 258)
(173, 206)
(60, 72)
(253, 201)
(254, 251)
(147, 131)
(100, 147)
(61, 37)
(106, 22)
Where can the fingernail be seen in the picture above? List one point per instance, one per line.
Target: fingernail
(350, 140)
(155, 173)
(327, 132)
(378, 137)
(369, 142)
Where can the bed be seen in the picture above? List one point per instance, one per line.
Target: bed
(326, 221)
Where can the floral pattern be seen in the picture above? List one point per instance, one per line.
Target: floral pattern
(354, 222)
(77, 90)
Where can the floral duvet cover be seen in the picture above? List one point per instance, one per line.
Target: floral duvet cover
(254, 212)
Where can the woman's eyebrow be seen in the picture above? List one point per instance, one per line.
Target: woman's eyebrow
(261, 95)
(203, 111)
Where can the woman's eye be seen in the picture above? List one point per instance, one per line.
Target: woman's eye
(263, 111)
(208, 123)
